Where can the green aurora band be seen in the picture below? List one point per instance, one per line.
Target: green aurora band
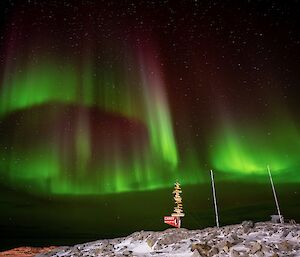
(53, 82)
(62, 162)
(245, 151)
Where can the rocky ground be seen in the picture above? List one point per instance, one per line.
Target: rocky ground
(246, 239)
(25, 251)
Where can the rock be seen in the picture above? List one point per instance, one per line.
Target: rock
(203, 249)
(29, 251)
(260, 254)
(234, 239)
(234, 236)
(109, 247)
(284, 234)
(255, 248)
(227, 247)
(213, 252)
(196, 254)
(98, 251)
(265, 240)
(247, 225)
(245, 255)
(284, 246)
(158, 246)
(127, 253)
(150, 242)
(234, 253)
(173, 237)
(212, 235)
(265, 248)
(224, 246)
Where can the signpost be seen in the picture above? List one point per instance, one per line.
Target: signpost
(174, 219)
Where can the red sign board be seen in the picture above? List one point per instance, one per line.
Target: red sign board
(173, 221)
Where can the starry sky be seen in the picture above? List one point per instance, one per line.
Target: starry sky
(109, 98)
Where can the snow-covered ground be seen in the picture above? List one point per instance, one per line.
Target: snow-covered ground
(246, 239)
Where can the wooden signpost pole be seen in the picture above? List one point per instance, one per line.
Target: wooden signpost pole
(178, 209)
(175, 218)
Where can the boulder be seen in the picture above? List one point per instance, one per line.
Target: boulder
(284, 246)
(203, 249)
(213, 252)
(247, 225)
(255, 248)
(227, 247)
(195, 254)
(224, 246)
(234, 239)
(260, 254)
(234, 253)
(127, 253)
(150, 242)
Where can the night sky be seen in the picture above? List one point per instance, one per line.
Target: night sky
(105, 104)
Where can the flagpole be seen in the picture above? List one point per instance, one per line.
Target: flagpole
(275, 196)
(215, 198)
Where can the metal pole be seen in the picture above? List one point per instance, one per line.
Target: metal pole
(275, 196)
(214, 196)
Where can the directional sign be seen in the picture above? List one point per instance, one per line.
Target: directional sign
(173, 221)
